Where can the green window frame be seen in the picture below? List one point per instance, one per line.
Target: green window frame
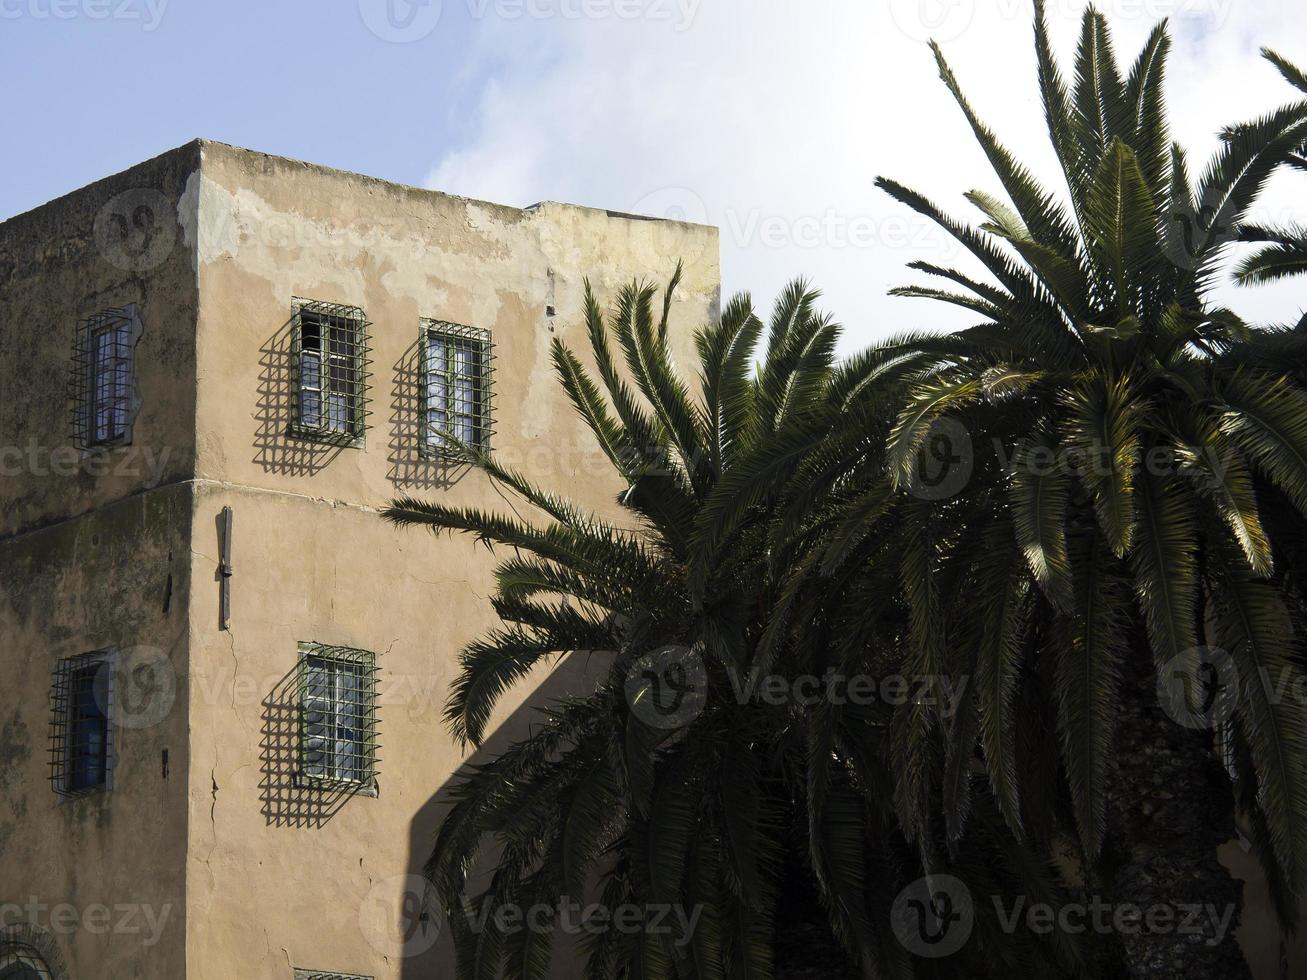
(329, 361)
(457, 388)
(337, 695)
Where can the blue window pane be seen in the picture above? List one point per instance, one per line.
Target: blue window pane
(437, 355)
(88, 729)
(335, 720)
(437, 425)
(311, 409)
(337, 413)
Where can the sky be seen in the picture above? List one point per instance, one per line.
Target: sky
(768, 119)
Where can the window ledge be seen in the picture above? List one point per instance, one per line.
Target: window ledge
(348, 787)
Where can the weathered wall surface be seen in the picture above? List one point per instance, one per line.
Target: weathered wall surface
(118, 241)
(116, 578)
(94, 554)
(278, 877)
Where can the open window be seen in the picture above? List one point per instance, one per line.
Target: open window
(330, 350)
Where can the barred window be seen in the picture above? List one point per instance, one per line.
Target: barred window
(21, 962)
(338, 714)
(330, 362)
(456, 391)
(104, 377)
(82, 698)
(319, 975)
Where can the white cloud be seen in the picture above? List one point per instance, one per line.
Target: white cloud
(771, 119)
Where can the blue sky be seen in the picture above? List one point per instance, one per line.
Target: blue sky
(768, 118)
(303, 79)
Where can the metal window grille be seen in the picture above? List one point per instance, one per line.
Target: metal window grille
(457, 387)
(81, 749)
(319, 975)
(19, 962)
(104, 377)
(338, 715)
(330, 364)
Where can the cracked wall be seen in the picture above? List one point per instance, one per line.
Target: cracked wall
(94, 554)
(280, 877)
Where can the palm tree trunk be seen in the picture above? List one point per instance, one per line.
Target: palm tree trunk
(1171, 808)
(805, 947)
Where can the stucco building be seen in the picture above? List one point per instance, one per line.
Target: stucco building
(221, 752)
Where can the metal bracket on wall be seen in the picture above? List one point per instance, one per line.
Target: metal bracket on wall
(224, 570)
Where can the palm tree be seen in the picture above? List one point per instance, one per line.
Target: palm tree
(1132, 471)
(689, 813)
(766, 822)
(1283, 251)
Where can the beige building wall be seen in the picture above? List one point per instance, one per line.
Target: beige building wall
(95, 553)
(260, 877)
(277, 878)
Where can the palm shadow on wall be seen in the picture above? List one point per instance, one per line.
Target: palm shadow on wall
(575, 675)
(275, 449)
(285, 799)
(409, 469)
